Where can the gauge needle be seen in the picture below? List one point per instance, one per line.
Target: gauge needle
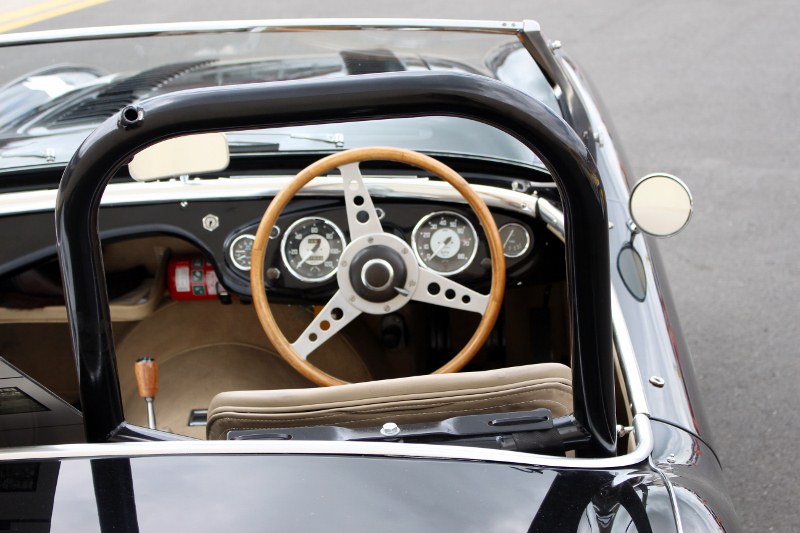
(510, 233)
(304, 259)
(439, 249)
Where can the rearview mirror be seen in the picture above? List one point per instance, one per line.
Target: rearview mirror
(190, 154)
(660, 205)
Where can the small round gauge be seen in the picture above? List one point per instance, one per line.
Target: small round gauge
(444, 242)
(240, 249)
(516, 240)
(311, 248)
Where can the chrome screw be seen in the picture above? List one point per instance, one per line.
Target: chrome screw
(657, 381)
(390, 429)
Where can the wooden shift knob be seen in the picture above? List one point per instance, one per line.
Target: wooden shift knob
(146, 370)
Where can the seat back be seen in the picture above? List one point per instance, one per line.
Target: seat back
(410, 400)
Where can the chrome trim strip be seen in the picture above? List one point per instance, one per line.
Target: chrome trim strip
(673, 499)
(261, 26)
(641, 425)
(241, 188)
(551, 215)
(627, 358)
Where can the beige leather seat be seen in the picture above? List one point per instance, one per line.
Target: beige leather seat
(405, 400)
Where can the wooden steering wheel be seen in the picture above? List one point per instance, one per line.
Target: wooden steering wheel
(377, 272)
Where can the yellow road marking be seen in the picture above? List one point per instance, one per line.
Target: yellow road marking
(31, 10)
(42, 11)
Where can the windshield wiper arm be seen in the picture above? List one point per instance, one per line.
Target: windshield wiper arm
(330, 138)
(336, 139)
(49, 155)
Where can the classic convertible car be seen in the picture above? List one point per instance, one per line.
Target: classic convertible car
(334, 274)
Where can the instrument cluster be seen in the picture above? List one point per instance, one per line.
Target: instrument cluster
(305, 247)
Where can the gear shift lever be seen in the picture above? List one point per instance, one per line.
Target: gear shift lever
(146, 370)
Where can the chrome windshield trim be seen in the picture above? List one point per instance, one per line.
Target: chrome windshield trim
(641, 423)
(627, 358)
(243, 188)
(262, 26)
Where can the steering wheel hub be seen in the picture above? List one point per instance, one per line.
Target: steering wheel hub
(377, 272)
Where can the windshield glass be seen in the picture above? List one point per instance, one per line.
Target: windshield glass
(51, 103)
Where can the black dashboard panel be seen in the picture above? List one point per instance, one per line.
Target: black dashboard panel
(29, 238)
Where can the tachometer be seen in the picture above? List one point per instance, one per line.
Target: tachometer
(444, 242)
(311, 248)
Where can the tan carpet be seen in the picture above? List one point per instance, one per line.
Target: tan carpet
(204, 348)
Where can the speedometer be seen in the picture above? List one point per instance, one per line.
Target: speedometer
(311, 248)
(444, 242)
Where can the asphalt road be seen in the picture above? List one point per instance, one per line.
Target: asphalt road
(703, 90)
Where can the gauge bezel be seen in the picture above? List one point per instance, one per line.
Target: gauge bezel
(528, 239)
(238, 238)
(419, 257)
(288, 265)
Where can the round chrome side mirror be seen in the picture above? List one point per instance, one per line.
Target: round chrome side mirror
(660, 205)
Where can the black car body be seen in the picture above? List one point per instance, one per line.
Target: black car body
(498, 103)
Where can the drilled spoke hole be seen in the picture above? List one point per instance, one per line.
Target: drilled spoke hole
(466, 299)
(337, 313)
(324, 325)
(433, 289)
(362, 216)
(358, 200)
(449, 294)
(312, 337)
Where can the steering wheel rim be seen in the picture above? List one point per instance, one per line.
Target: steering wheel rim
(366, 236)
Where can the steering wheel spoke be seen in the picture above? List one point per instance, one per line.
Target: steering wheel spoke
(361, 215)
(438, 290)
(336, 314)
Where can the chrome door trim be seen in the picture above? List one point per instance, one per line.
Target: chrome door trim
(641, 423)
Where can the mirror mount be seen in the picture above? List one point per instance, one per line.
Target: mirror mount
(634, 231)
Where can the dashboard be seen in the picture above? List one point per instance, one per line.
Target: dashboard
(301, 257)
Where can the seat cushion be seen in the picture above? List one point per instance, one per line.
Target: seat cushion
(409, 400)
